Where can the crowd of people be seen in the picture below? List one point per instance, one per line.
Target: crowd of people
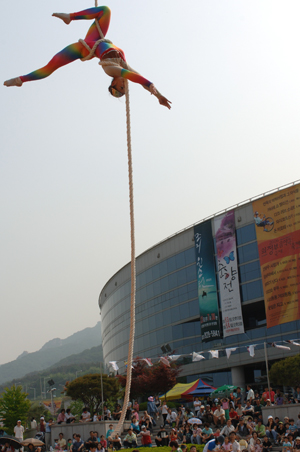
(229, 424)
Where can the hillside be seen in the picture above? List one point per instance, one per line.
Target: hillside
(51, 353)
(35, 383)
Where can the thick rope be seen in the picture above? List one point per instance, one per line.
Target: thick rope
(119, 427)
(93, 49)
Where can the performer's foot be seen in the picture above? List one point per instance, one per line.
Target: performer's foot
(63, 16)
(13, 82)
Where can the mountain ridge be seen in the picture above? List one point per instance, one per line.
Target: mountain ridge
(51, 353)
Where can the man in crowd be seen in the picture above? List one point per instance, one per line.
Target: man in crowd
(250, 394)
(162, 437)
(213, 444)
(77, 444)
(62, 442)
(146, 437)
(234, 443)
(171, 417)
(242, 430)
(219, 415)
(130, 439)
(248, 409)
(227, 429)
(19, 431)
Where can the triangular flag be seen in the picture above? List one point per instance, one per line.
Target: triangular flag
(214, 353)
(164, 360)
(197, 357)
(174, 357)
(229, 350)
(294, 343)
(148, 361)
(114, 365)
(251, 350)
(280, 346)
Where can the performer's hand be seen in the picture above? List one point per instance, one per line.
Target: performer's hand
(165, 102)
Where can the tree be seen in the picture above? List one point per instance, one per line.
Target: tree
(88, 389)
(37, 410)
(13, 406)
(286, 372)
(146, 380)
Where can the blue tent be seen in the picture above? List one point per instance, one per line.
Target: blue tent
(201, 390)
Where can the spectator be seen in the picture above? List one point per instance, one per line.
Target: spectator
(227, 429)
(158, 405)
(130, 439)
(152, 409)
(187, 434)
(86, 415)
(213, 444)
(206, 434)
(208, 416)
(219, 415)
(78, 444)
(286, 445)
(238, 396)
(234, 417)
(61, 417)
(297, 395)
(260, 429)
(33, 423)
(266, 395)
(19, 431)
(164, 411)
(233, 441)
(62, 442)
(100, 448)
(197, 405)
(250, 394)
(239, 410)
(293, 428)
(135, 414)
(135, 425)
(248, 409)
(243, 431)
(227, 446)
(252, 442)
(266, 444)
(69, 417)
(106, 413)
(128, 411)
(196, 436)
(69, 444)
(296, 447)
(117, 413)
(225, 406)
(116, 442)
(162, 437)
(146, 437)
(257, 408)
(103, 442)
(42, 427)
(136, 406)
(171, 418)
(179, 418)
(109, 431)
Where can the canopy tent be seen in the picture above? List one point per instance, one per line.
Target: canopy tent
(177, 391)
(202, 389)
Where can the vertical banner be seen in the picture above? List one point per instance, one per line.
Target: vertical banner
(206, 280)
(228, 274)
(277, 220)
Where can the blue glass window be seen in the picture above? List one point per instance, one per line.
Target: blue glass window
(248, 253)
(250, 271)
(190, 256)
(252, 290)
(246, 234)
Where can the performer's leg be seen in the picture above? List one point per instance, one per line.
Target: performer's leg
(68, 55)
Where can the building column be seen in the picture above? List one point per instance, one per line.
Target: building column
(238, 376)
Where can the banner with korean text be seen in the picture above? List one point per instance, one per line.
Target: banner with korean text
(277, 220)
(206, 280)
(227, 269)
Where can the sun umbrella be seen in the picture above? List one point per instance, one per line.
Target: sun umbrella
(223, 390)
(36, 442)
(11, 440)
(194, 420)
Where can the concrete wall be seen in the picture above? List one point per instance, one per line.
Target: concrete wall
(290, 410)
(83, 429)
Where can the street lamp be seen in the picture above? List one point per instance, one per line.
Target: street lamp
(34, 393)
(51, 393)
(77, 372)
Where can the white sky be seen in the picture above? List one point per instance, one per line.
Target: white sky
(231, 69)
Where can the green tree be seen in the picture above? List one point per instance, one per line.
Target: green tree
(37, 410)
(286, 372)
(88, 389)
(13, 406)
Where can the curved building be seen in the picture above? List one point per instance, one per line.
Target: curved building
(225, 289)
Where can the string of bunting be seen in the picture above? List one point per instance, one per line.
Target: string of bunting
(198, 356)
